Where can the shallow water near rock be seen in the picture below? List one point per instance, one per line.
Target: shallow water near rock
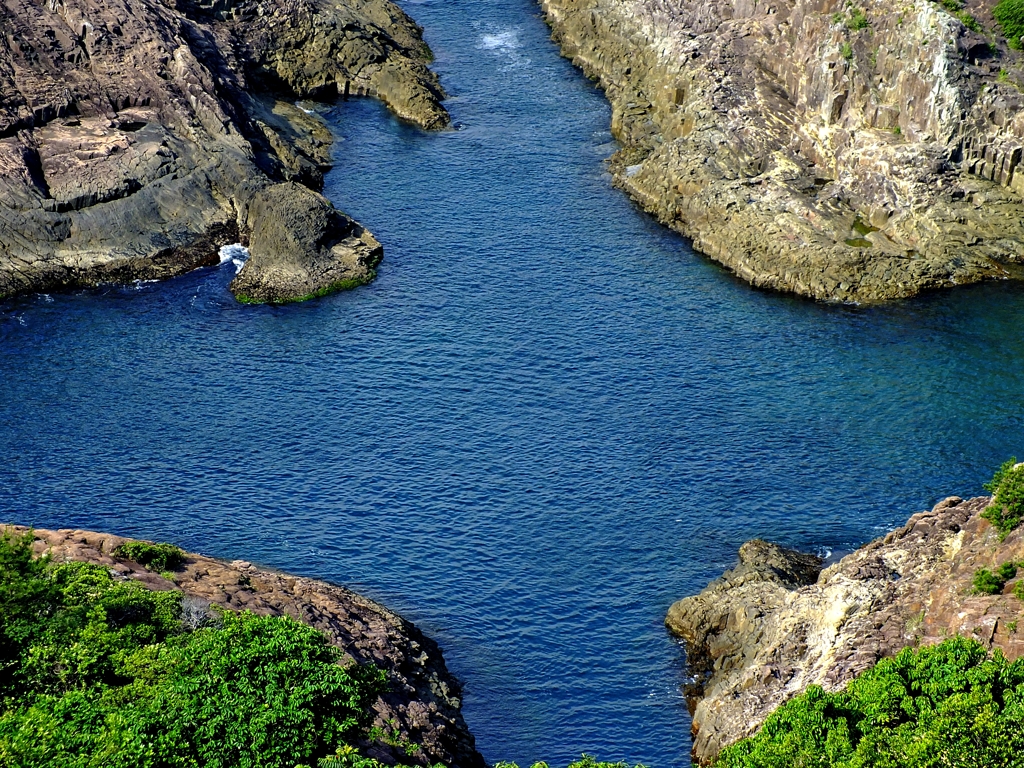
(545, 421)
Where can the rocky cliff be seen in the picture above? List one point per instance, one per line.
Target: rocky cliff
(851, 150)
(424, 700)
(138, 136)
(777, 622)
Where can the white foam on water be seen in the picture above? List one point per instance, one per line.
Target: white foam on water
(47, 298)
(506, 44)
(236, 253)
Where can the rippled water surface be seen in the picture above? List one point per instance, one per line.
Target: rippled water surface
(546, 420)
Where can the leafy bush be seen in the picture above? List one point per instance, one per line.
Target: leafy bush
(1007, 487)
(156, 557)
(858, 19)
(950, 704)
(987, 582)
(1018, 590)
(99, 672)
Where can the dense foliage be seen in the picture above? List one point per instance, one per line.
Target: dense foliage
(1010, 15)
(157, 557)
(100, 672)
(1007, 486)
(988, 582)
(945, 705)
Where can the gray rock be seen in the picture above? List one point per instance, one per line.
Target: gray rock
(135, 136)
(301, 247)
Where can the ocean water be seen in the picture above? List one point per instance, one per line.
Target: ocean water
(544, 422)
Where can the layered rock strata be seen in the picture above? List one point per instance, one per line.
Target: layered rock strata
(851, 151)
(777, 622)
(136, 137)
(424, 700)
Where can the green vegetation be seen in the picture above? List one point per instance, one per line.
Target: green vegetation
(1018, 590)
(1012, 626)
(857, 20)
(156, 557)
(1007, 487)
(968, 21)
(988, 582)
(96, 672)
(1010, 17)
(846, 51)
(950, 704)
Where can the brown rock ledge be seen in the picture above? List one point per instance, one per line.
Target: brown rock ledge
(135, 136)
(773, 625)
(424, 700)
(844, 158)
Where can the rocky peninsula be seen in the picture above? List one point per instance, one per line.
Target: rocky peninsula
(136, 138)
(842, 150)
(423, 703)
(778, 621)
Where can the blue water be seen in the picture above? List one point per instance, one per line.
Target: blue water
(544, 422)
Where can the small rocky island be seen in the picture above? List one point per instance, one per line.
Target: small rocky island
(136, 138)
(778, 622)
(843, 150)
(422, 703)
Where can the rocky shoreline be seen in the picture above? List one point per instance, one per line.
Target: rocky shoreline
(136, 139)
(851, 152)
(424, 700)
(779, 622)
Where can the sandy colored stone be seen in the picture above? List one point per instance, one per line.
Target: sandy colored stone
(808, 156)
(773, 625)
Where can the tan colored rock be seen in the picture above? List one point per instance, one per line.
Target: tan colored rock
(424, 699)
(767, 629)
(135, 135)
(808, 155)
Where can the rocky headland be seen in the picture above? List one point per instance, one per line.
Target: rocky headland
(778, 621)
(424, 700)
(136, 138)
(845, 150)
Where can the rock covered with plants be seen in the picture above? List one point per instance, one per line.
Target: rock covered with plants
(123, 653)
(773, 627)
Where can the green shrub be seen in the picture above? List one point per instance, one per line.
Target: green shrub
(100, 672)
(950, 704)
(156, 557)
(1007, 487)
(987, 582)
(1018, 590)
(846, 51)
(1010, 17)
(858, 19)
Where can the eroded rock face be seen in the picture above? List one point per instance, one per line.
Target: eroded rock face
(424, 700)
(811, 152)
(134, 137)
(770, 627)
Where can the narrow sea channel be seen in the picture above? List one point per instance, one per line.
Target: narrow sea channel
(546, 420)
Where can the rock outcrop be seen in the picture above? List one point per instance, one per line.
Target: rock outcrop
(137, 137)
(773, 625)
(848, 151)
(424, 700)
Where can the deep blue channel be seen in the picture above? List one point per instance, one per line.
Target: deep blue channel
(545, 421)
